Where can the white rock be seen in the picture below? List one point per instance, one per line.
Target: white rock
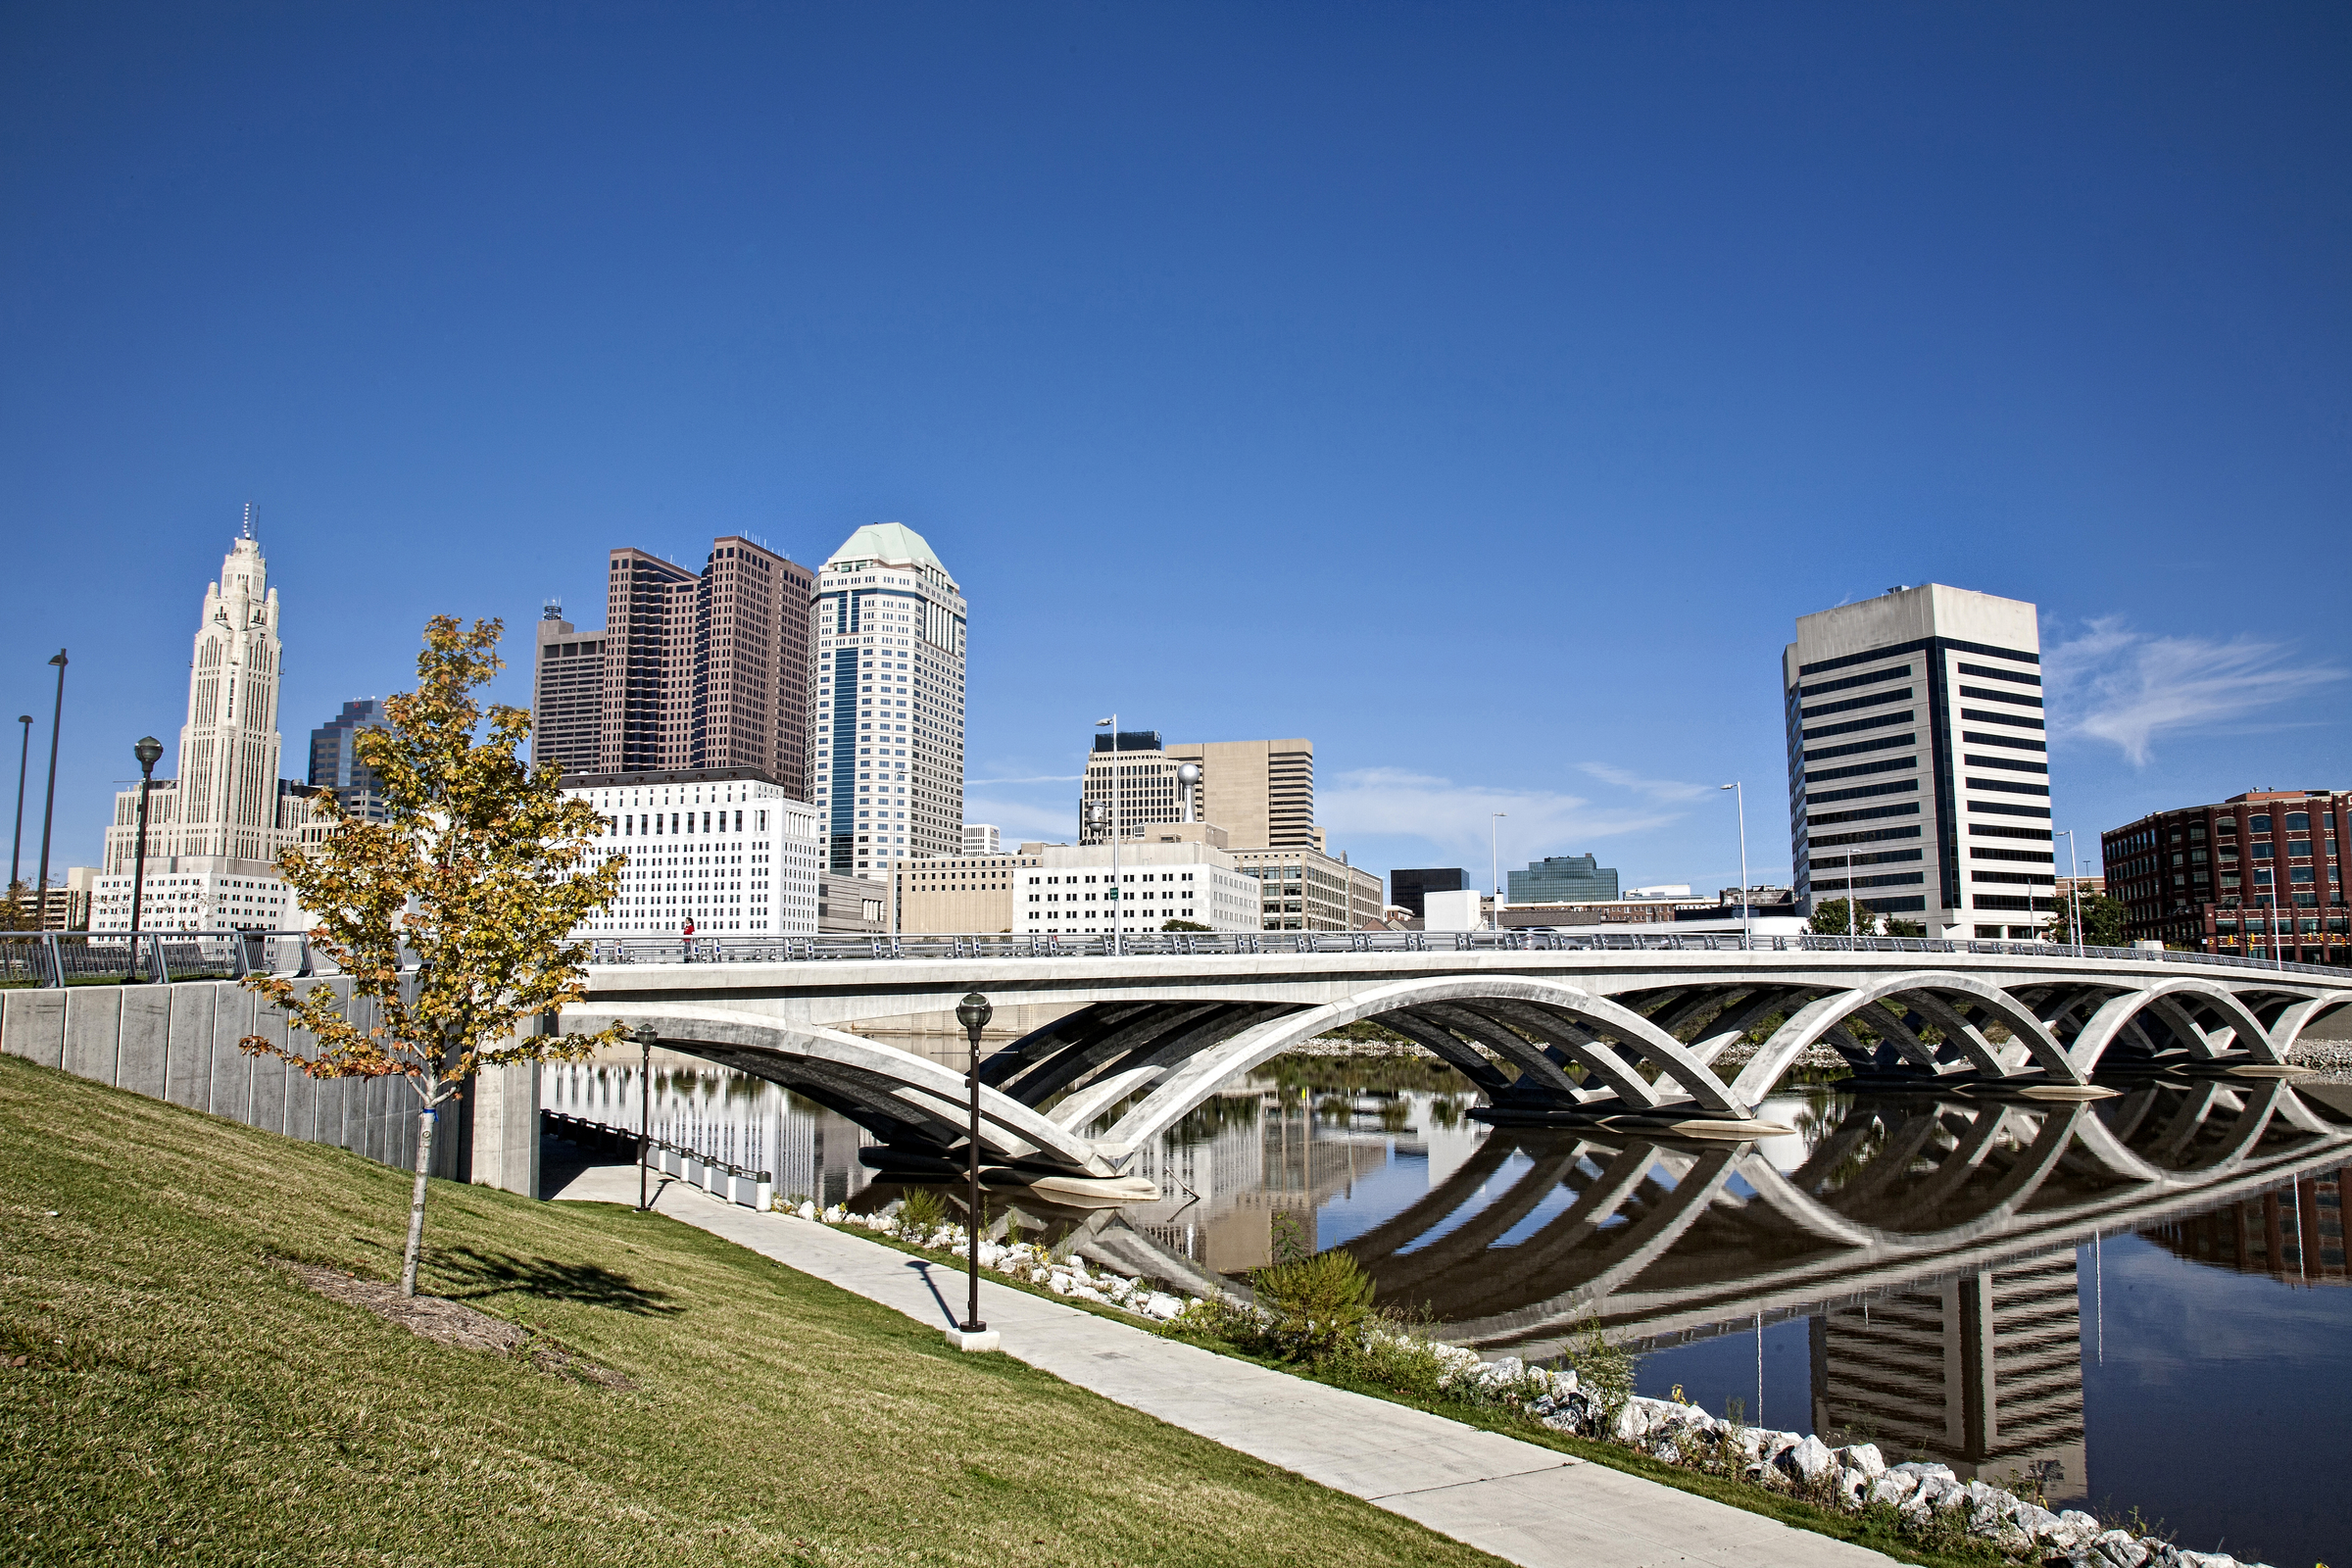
(1162, 1306)
(806, 1210)
(1865, 1457)
(1668, 1452)
(1808, 1461)
(1893, 1488)
(1506, 1370)
(2119, 1549)
(1914, 1467)
(1851, 1485)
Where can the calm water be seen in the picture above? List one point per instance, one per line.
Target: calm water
(1998, 1286)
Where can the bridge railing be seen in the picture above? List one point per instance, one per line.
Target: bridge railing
(53, 958)
(1231, 943)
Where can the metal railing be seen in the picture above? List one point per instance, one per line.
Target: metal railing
(720, 1178)
(49, 960)
(1231, 944)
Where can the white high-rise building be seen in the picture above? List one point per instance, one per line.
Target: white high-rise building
(722, 848)
(886, 729)
(1070, 890)
(216, 830)
(983, 838)
(1919, 777)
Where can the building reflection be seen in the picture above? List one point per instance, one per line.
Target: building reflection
(2294, 1234)
(1982, 1371)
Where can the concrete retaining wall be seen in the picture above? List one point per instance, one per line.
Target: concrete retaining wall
(178, 1042)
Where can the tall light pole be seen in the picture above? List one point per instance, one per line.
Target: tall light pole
(1495, 861)
(2074, 869)
(645, 1035)
(1117, 831)
(15, 853)
(40, 893)
(1748, 935)
(973, 1013)
(146, 750)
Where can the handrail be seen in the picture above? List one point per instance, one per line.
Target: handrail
(52, 960)
(619, 951)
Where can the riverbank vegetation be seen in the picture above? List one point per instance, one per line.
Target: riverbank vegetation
(172, 1389)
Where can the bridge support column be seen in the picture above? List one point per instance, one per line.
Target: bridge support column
(505, 1128)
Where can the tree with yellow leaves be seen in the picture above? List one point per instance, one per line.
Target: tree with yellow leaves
(481, 869)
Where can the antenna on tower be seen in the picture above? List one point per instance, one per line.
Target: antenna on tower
(247, 519)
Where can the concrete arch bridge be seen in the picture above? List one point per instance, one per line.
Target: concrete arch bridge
(1636, 1035)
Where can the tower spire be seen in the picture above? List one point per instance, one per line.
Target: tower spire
(247, 519)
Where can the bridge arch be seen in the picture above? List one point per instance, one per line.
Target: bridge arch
(891, 1093)
(1817, 1017)
(1575, 1017)
(2107, 1021)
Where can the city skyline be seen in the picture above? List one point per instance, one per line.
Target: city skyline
(1493, 444)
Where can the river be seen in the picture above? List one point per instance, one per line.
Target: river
(2141, 1303)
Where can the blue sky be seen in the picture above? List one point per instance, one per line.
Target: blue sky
(1479, 391)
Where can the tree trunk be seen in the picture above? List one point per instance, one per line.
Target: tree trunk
(425, 1162)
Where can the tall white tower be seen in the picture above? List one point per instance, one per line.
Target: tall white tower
(886, 703)
(227, 785)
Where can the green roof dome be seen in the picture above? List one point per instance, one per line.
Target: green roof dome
(891, 542)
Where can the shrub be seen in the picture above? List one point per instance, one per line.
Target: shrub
(920, 1211)
(1319, 1305)
(1603, 1370)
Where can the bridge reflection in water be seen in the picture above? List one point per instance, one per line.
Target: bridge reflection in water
(1928, 1246)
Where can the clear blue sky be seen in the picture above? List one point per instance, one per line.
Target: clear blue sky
(1479, 391)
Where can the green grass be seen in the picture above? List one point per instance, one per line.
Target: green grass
(188, 1402)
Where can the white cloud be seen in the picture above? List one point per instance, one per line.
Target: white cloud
(1390, 801)
(1657, 789)
(2128, 688)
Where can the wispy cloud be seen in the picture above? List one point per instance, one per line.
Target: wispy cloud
(1020, 819)
(1657, 789)
(1392, 800)
(2128, 688)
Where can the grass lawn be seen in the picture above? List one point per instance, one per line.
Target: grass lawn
(185, 1400)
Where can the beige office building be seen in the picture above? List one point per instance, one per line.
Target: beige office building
(965, 894)
(1262, 793)
(1302, 890)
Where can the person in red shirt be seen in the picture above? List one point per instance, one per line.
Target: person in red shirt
(689, 936)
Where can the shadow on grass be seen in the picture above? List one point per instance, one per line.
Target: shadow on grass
(477, 1273)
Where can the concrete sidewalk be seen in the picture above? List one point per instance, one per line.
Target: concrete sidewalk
(1524, 1503)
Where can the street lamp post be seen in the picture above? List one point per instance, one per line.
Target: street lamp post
(973, 1013)
(147, 750)
(645, 1035)
(1494, 863)
(2074, 868)
(1117, 831)
(40, 892)
(16, 852)
(1748, 935)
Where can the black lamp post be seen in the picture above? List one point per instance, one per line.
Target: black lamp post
(40, 893)
(16, 850)
(147, 750)
(645, 1036)
(973, 1013)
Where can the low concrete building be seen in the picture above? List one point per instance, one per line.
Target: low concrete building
(1305, 890)
(197, 893)
(849, 904)
(969, 894)
(1071, 889)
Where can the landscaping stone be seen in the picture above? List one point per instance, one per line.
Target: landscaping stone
(1807, 1460)
(1865, 1457)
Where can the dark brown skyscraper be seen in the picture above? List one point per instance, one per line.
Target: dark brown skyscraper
(691, 670)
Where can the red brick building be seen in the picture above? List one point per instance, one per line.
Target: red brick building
(2260, 874)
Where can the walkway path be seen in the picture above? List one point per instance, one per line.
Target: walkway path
(1526, 1504)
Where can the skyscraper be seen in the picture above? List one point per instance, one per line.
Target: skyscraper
(335, 762)
(889, 699)
(691, 670)
(215, 832)
(1261, 793)
(1919, 779)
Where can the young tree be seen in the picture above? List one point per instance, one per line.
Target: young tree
(1829, 919)
(1905, 928)
(15, 912)
(2102, 921)
(481, 867)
